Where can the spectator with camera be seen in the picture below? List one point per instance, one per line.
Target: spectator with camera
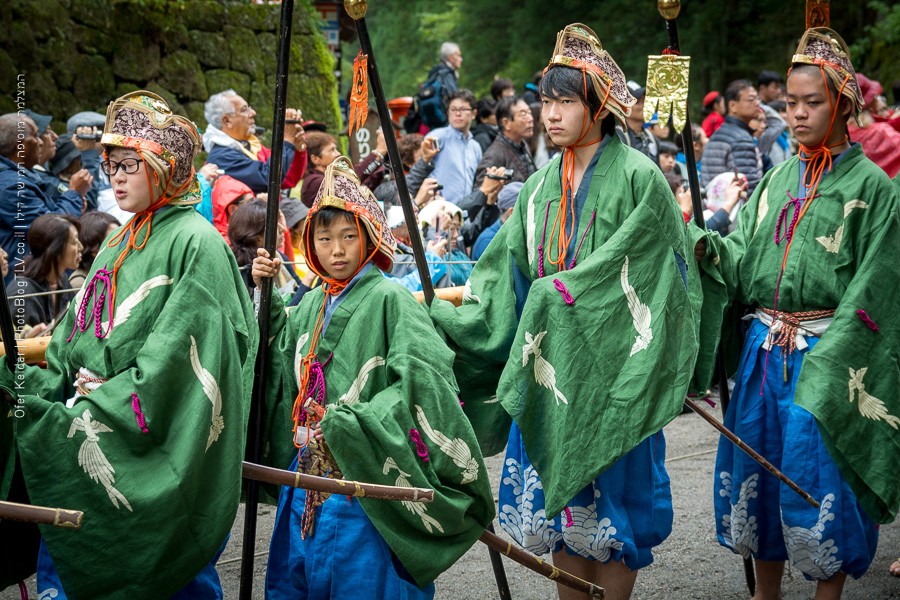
(510, 150)
(230, 139)
(458, 152)
(21, 198)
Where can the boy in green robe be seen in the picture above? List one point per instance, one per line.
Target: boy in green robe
(139, 418)
(375, 404)
(815, 256)
(581, 303)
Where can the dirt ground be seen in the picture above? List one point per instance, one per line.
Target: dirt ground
(688, 565)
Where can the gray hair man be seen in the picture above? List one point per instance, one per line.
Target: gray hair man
(230, 139)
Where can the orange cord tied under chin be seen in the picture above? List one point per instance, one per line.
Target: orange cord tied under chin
(818, 159)
(312, 379)
(138, 223)
(564, 224)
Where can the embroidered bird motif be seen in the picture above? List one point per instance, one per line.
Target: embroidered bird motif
(640, 314)
(832, 243)
(91, 458)
(762, 208)
(417, 508)
(298, 355)
(123, 311)
(468, 296)
(352, 395)
(544, 373)
(212, 391)
(869, 406)
(455, 448)
(531, 223)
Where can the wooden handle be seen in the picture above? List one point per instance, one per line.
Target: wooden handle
(540, 566)
(42, 515)
(335, 486)
(33, 350)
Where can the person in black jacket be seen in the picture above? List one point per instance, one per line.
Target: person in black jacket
(732, 147)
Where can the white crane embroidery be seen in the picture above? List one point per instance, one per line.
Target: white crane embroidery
(544, 373)
(640, 314)
(298, 355)
(212, 391)
(832, 243)
(531, 224)
(455, 448)
(762, 209)
(468, 296)
(352, 395)
(869, 406)
(417, 508)
(123, 311)
(91, 458)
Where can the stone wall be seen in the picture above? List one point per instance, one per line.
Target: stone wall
(77, 55)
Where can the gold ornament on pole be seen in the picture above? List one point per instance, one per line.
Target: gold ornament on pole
(356, 8)
(818, 13)
(669, 9)
(667, 89)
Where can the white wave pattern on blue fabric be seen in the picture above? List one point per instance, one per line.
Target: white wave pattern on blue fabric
(808, 553)
(740, 529)
(528, 527)
(587, 536)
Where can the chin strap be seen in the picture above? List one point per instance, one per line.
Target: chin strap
(564, 225)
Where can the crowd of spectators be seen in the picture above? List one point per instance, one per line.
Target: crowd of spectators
(57, 209)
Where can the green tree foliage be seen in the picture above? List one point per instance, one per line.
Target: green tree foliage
(726, 39)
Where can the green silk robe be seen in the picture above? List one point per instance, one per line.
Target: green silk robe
(588, 381)
(845, 256)
(389, 374)
(159, 503)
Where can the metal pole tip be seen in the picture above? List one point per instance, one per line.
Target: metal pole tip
(669, 9)
(356, 8)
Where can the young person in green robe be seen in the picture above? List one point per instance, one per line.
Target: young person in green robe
(139, 418)
(360, 387)
(815, 256)
(581, 303)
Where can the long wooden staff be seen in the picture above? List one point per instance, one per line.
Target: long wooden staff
(42, 515)
(254, 433)
(342, 487)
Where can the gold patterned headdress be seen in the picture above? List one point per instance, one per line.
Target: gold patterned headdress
(578, 47)
(824, 48)
(342, 189)
(142, 121)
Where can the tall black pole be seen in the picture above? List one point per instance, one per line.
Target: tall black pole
(357, 10)
(254, 433)
(394, 154)
(669, 10)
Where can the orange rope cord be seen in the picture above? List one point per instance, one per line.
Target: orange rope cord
(139, 221)
(819, 160)
(564, 223)
(335, 287)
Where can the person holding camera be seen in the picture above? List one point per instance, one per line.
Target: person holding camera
(510, 149)
(458, 152)
(230, 139)
(21, 198)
